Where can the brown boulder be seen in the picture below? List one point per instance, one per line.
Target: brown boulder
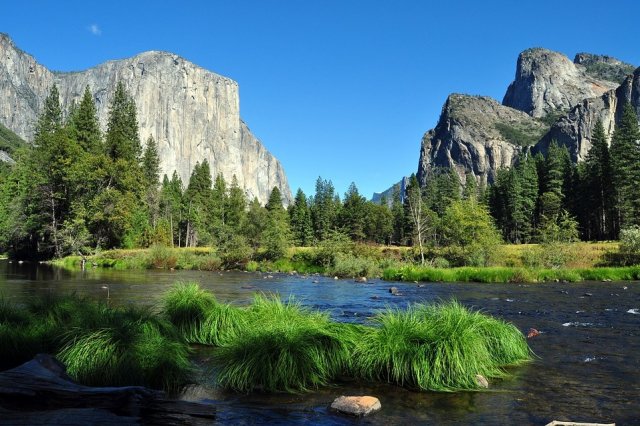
(356, 405)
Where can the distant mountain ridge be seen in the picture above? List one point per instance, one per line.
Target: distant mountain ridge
(192, 113)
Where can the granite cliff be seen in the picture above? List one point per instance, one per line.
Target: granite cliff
(476, 134)
(192, 113)
(551, 98)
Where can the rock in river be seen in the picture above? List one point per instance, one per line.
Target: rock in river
(356, 405)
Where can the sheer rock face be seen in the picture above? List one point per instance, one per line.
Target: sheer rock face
(470, 136)
(193, 114)
(478, 135)
(574, 130)
(548, 81)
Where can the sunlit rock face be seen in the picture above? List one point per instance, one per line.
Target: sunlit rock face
(192, 113)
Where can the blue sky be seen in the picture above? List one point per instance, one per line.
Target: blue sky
(335, 88)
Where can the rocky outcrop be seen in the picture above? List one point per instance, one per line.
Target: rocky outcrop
(192, 113)
(548, 81)
(551, 98)
(476, 134)
(574, 130)
(604, 67)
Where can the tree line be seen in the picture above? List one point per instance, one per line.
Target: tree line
(551, 195)
(76, 190)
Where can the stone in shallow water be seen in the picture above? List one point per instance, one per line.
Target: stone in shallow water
(356, 405)
(482, 381)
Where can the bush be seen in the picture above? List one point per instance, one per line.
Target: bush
(629, 251)
(327, 250)
(161, 257)
(346, 265)
(552, 255)
(235, 252)
(208, 263)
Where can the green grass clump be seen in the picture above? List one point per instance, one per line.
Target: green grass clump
(199, 317)
(99, 345)
(439, 348)
(284, 348)
(221, 323)
(186, 305)
(133, 350)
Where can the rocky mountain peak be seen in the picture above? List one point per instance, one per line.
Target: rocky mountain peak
(548, 81)
(604, 67)
(478, 135)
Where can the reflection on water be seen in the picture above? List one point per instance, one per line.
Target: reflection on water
(589, 347)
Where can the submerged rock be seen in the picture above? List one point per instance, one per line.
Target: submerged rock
(393, 290)
(356, 405)
(532, 333)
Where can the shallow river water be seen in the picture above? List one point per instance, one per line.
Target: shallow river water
(588, 353)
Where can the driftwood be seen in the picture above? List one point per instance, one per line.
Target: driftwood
(40, 392)
(561, 423)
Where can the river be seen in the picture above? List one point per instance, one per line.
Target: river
(588, 353)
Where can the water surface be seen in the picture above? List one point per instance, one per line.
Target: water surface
(588, 366)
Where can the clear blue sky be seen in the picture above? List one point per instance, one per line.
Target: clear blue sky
(341, 89)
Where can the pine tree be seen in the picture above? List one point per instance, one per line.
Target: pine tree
(625, 152)
(255, 223)
(353, 213)
(197, 205)
(151, 163)
(275, 200)
(599, 186)
(324, 209)
(122, 139)
(236, 206)
(50, 119)
(527, 199)
(555, 165)
(276, 235)
(85, 125)
(300, 219)
(171, 205)
(470, 187)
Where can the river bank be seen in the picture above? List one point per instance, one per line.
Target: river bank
(389, 263)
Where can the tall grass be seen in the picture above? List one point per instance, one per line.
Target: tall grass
(134, 351)
(441, 348)
(499, 274)
(186, 305)
(98, 344)
(199, 317)
(284, 348)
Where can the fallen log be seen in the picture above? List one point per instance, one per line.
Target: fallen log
(41, 389)
(563, 423)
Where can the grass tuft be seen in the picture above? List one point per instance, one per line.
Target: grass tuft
(439, 348)
(99, 345)
(284, 348)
